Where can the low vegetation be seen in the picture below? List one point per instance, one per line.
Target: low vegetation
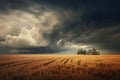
(59, 67)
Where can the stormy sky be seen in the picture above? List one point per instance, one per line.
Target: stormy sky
(59, 26)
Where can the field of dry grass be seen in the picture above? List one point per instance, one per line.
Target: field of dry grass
(59, 67)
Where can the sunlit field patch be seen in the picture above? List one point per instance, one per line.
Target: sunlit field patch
(59, 67)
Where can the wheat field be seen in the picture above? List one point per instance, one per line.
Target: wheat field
(59, 67)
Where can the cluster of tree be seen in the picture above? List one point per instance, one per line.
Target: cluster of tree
(91, 51)
(81, 51)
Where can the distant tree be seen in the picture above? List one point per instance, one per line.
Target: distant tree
(84, 52)
(81, 51)
(98, 53)
(78, 51)
(92, 51)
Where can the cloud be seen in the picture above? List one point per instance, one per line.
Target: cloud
(26, 38)
(23, 29)
(32, 28)
(51, 26)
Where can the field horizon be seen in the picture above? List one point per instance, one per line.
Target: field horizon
(59, 67)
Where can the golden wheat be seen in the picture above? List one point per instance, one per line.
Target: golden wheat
(59, 67)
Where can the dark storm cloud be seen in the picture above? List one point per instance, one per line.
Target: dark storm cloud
(87, 22)
(5, 5)
(32, 50)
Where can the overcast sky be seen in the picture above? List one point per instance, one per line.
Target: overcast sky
(59, 26)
